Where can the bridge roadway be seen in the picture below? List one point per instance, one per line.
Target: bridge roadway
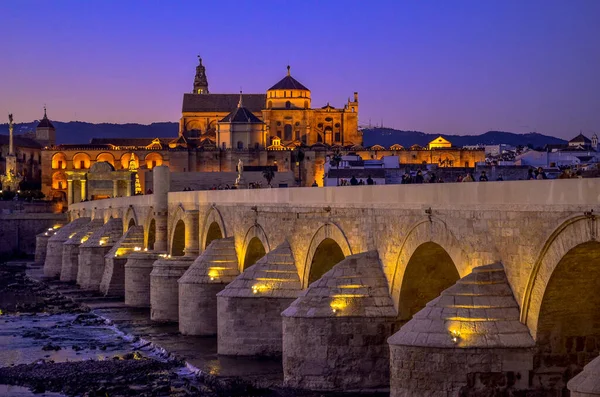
(432, 288)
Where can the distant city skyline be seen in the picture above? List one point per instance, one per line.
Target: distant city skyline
(462, 67)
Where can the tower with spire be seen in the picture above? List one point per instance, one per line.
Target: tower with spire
(45, 133)
(200, 80)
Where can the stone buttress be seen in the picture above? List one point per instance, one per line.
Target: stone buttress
(41, 243)
(334, 334)
(93, 251)
(164, 291)
(587, 382)
(137, 278)
(216, 267)
(249, 308)
(70, 256)
(467, 340)
(54, 250)
(113, 279)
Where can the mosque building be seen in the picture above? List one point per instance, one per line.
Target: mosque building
(216, 131)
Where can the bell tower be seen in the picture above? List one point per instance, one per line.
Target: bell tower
(200, 81)
(595, 142)
(45, 133)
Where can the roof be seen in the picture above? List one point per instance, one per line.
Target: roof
(222, 102)
(580, 139)
(127, 141)
(20, 141)
(241, 115)
(45, 123)
(288, 83)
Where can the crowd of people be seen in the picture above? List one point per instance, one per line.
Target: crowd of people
(357, 182)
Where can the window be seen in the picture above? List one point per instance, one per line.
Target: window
(287, 132)
(60, 165)
(278, 123)
(288, 104)
(305, 104)
(279, 134)
(297, 135)
(338, 136)
(153, 163)
(297, 123)
(337, 125)
(240, 145)
(284, 94)
(82, 164)
(320, 125)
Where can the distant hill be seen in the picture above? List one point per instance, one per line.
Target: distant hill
(388, 136)
(81, 132)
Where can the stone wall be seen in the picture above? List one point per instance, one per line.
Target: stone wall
(18, 231)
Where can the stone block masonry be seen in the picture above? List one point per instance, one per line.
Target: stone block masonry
(93, 251)
(334, 334)
(164, 291)
(137, 278)
(198, 287)
(70, 261)
(265, 290)
(54, 249)
(113, 279)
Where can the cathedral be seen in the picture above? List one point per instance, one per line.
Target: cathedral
(255, 121)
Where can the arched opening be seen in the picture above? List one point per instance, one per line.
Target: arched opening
(131, 223)
(59, 161)
(59, 181)
(568, 331)
(429, 271)
(107, 157)
(178, 245)
(214, 233)
(269, 104)
(254, 252)
(127, 158)
(81, 161)
(326, 256)
(153, 160)
(151, 235)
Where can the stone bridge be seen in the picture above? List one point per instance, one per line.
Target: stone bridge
(435, 288)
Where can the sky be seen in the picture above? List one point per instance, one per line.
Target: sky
(450, 66)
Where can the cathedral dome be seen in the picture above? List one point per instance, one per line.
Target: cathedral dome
(288, 93)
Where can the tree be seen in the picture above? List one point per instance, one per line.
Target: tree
(269, 174)
(336, 160)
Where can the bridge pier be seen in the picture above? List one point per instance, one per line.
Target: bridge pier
(468, 339)
(54, 249)
(41, 244)
(113, 279)
(249, 308)
(164, 291)
(70, 255)
(334, 334)
(587, 382)
(198, 287)
(93, 251)
(137, 278)
(161, 184)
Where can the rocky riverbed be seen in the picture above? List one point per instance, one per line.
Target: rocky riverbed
(50, 343)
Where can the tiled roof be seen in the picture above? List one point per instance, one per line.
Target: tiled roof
(20, 141)
(580, 139)
(127, 141)
(241, 115)
(222, 102)
(288, 83)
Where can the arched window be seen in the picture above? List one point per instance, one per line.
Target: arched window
(240, 145)
(59, 161)
(81, 161)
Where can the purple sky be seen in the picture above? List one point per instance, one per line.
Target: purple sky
(461, 67)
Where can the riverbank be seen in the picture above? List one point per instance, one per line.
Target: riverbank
(56, 337)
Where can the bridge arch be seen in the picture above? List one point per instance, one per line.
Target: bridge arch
(130, 216)
(256, 245)
(563, 242)
(213, 226)
(327, 247)
(177, 232)
(434, 236)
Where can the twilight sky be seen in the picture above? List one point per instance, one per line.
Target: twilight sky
(460, 67)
